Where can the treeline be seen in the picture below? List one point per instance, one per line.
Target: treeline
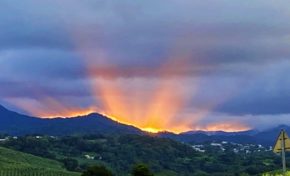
(119, 153)
(138, 170)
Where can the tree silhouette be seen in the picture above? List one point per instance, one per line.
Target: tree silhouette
(141, 170)
(97, 171)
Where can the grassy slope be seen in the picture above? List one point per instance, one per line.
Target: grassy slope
(11, 160)
(276, 173)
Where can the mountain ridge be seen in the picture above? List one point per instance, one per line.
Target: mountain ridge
(14, 123)
(19, 124)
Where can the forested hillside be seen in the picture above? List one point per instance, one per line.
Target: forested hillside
(163, 156)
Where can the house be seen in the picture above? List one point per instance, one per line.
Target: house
(89, 157)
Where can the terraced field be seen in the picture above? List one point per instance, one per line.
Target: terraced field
(13, 163)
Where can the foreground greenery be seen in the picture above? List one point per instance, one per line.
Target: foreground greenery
(13, 163)
(120, 153)
(276, 173)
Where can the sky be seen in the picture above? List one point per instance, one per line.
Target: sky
(173, 65)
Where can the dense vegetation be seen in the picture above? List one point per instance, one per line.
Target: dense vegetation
(165, 157)
(13, 163)
(97, 171)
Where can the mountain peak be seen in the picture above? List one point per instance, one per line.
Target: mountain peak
(94, 123)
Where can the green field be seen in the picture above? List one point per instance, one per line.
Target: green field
(13, 163)
(276, 173)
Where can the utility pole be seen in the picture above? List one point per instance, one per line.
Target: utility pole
(281, 146)
(283, 152)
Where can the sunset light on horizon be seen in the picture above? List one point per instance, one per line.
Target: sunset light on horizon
(177, 68)
(149, 87)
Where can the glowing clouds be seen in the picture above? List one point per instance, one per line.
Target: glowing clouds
(232, 126)
(48, 107)
(145, 102)
(150, 103)
(152, 97)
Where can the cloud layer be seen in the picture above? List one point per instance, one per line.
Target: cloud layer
(178, 62)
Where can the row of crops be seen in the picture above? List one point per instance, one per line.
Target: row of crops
(35, 172)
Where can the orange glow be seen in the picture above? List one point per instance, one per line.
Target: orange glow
(151, 130)
(232, 126)
(68, 113)
(160, 107)
(123, 98)
(152, 110)
(50, 108)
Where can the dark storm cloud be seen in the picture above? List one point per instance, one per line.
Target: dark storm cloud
(37, 63)
(227, 46)
(37, 89)
(30, 24)
(266, 93)
(257, 105)
(137, 33)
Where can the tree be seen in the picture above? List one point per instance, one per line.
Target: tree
(97, 171)
(141, 170)
(70, 164)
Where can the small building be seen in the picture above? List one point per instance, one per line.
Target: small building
(89, 157)
(3, 140)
